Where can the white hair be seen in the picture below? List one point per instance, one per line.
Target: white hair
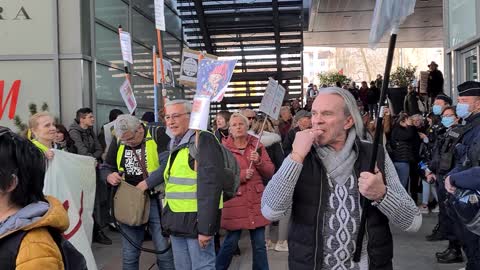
(186, 103)
(350, 108)
(125, 123)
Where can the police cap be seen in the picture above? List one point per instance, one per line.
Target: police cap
(469, 88)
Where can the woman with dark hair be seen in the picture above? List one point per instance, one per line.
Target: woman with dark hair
(404, 135)
(63, 140)
(221, 121)
(24, 210)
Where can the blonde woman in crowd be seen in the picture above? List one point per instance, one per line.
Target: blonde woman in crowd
(42, 126)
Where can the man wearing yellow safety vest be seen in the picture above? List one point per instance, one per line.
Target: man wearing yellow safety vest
(193, 191)
(139, 147)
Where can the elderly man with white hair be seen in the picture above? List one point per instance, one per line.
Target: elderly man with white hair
(134, 158)
(323, 181)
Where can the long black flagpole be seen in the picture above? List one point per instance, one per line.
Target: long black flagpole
(376, 142)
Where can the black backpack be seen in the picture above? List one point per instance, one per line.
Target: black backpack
(10, 245)
(231, 169)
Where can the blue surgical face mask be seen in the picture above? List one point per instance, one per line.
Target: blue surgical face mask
(462, 110)
(437, 109)
(448, 121)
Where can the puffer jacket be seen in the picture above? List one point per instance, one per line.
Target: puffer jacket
(38, 250)
(402, 142)
(86, 142)
(243, 211)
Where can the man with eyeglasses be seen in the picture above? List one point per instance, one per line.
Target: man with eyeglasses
(134, 158)
(193, 190)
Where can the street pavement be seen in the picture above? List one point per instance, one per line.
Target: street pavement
(411, 252)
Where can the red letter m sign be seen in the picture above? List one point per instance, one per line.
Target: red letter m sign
(12, 96)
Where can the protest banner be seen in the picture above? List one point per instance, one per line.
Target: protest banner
(213, 78)
(126, 46)
(272, 99)
(160, 15)
(128, 96)
(189, 66)
(72, 179)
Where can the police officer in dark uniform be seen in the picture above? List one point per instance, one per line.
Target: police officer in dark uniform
(435, 136)
(466, 173)
(441, 163)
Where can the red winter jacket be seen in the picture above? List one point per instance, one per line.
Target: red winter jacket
(243, 211)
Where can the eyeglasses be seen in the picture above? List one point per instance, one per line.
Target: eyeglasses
(174, 116)
(252, 118)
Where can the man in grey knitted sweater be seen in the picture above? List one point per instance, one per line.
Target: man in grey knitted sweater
(323, 180)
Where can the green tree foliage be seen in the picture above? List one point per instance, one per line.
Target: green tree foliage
(331, 77)
(403, 76)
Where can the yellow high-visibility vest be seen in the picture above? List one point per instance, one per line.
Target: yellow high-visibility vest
(40, 146)
(151, 150)
(181, 184)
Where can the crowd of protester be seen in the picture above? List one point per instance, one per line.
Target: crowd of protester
(428, 150)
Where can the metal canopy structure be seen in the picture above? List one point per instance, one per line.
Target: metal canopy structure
(265, 36)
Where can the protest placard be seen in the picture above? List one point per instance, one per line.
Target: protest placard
(168, 70)
(126, 46)
(200, 113)
(272, 99)
(213, 78)
(189, 67)
(71, 179)
(128, 96)
(160, 15)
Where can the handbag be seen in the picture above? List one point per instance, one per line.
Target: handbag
(131, 205)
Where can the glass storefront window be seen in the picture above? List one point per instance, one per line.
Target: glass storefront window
(108, 82)
(142, 59)
(143, 29)
(471, 72)
(113, 12)
(462, 22)
(107, 45)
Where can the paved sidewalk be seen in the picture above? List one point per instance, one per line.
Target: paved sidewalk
(411, 251)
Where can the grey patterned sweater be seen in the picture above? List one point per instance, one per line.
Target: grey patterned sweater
(343, 213)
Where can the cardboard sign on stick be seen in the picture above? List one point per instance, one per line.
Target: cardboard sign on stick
(200, 113)
(128, 96)
(160, 15)
(189, 67)
(126, 46)
(273, 99)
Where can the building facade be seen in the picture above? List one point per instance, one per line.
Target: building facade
(67, 54)
(462, 42)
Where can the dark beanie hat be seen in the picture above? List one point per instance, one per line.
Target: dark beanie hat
(445, 98)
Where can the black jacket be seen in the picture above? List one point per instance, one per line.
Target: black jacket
(273, 145)
(288, 141)
(410, 104)
(373, 95)
(435, 83)
(305, 238)
(209, 189)
(402, 142)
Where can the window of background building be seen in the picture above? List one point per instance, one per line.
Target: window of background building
(139, 15)
(462, 24)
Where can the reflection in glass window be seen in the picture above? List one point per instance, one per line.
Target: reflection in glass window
(114, 12)
(143, 29)
(108, 82)
(461, 20)
(143, 90)
(142, 59)
(107, 45)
